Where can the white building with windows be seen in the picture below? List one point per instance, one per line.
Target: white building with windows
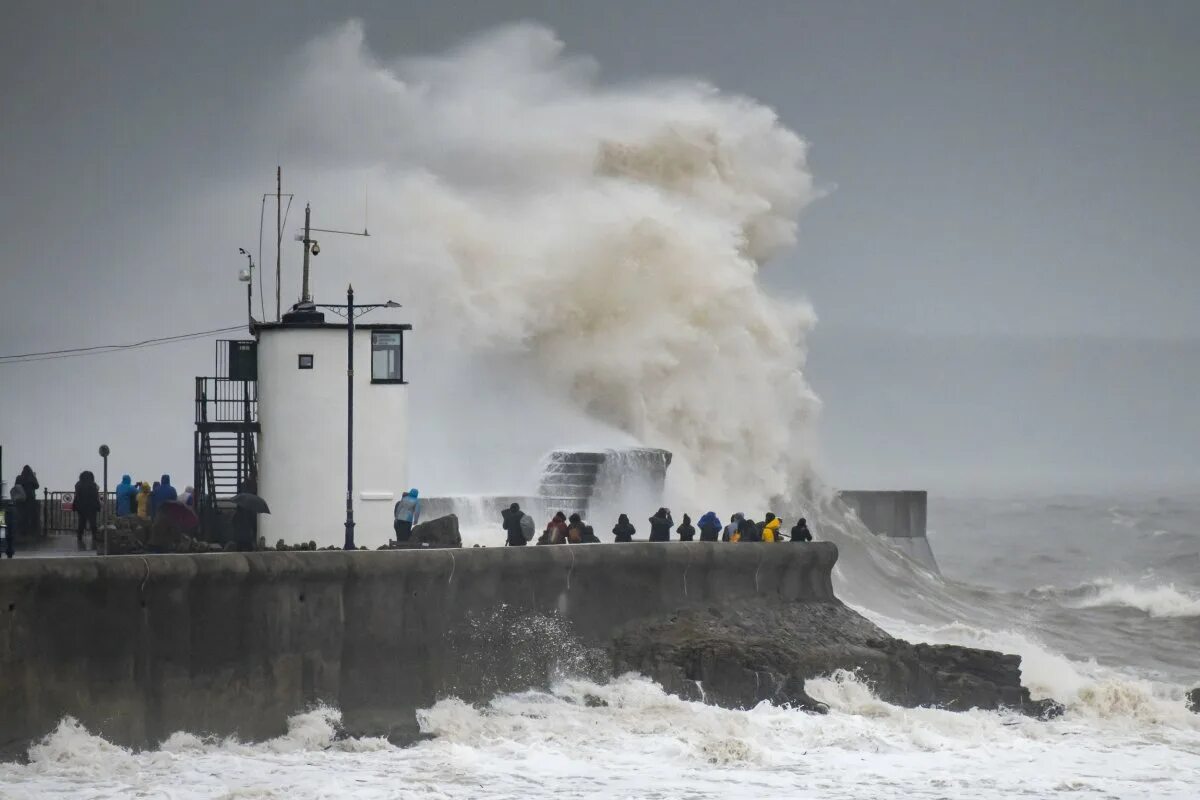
(302, 422)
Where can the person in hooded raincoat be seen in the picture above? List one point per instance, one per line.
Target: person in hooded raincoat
(710, 527)
(575, 528)
(660, 525)
(589, 535)
(624, 530)
(733, 531)
(800, 531)
(406, 513)
(126, 493)
(87, 506)
(162, 494)
(770, 528)
(27, 509)
(511, 517)
(749, 531)
(143, 500)
(556, 530)
(685, 530)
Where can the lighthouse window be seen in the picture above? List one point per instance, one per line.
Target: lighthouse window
(306, 361)
(387, 357)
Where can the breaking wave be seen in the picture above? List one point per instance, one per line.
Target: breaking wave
(601, 240)
(1163, 601)
(627, 737)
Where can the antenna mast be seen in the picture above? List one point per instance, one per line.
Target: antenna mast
(278, 237)
(304, 297)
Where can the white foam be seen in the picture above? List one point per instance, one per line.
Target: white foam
(628, 738)
(1163, 601)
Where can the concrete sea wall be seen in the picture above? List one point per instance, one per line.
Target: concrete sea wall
(899, 517)
(137, 647)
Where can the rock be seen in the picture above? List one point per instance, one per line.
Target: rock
(1193, 700)
(127, 535)
(440, 532)
(741, 654)
(167, 536)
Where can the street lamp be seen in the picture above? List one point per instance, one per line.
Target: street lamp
(350, 312)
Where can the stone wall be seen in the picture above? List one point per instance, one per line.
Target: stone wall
(233, 643)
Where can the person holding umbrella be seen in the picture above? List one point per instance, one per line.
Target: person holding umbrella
(247, 507)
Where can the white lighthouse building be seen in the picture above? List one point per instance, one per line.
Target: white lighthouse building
(294, 413)
(303, 413)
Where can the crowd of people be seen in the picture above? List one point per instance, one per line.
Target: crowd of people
(131, 498)
(519, 529)
(143, 499)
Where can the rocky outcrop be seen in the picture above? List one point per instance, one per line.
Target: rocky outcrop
(1193, 700)
(741, 654)
(440, 532)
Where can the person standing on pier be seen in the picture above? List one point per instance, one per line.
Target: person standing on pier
(126, 494)
(87, 506)
(511, 517)
(406, 512)
(800, 531)
(556, 530)
(143, 500)
(27, 509)
(710, 527)
(686, 531)
(660, 526)
(162, 494)
(770, 528)
(733, 530)
(624, 530)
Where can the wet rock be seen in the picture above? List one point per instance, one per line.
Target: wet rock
(741, 654)
(1193, 700)
(440, 532)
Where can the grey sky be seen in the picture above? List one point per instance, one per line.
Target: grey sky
(999, 172)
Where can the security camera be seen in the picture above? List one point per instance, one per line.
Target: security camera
(316, 249)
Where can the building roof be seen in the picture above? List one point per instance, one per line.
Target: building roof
(368, 326)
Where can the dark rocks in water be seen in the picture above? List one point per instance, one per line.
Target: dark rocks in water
(1193, 700)
(741, 654)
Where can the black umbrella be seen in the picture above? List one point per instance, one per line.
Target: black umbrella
(250, 502)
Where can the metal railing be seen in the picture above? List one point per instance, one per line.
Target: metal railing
(226, 400)
(58, 511)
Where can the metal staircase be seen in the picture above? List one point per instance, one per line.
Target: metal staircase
(227, 429)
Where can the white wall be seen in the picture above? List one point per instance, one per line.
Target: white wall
(302, 452)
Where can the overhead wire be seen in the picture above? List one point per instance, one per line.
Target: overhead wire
(102, 349)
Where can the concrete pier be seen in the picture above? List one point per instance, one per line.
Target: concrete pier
(898, 516)
(137, 648)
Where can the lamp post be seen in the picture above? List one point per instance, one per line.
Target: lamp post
(104, 451)
(351, 311)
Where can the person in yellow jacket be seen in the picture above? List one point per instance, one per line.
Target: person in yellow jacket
(143, 500)
(770, 531)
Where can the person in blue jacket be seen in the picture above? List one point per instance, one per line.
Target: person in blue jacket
(126, 492)
(162, 494)
(710, 527)
(407, 513)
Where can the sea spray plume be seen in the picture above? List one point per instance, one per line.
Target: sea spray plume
(610, 235)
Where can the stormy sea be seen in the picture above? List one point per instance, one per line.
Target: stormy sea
(1100, 597)
(580, 245)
